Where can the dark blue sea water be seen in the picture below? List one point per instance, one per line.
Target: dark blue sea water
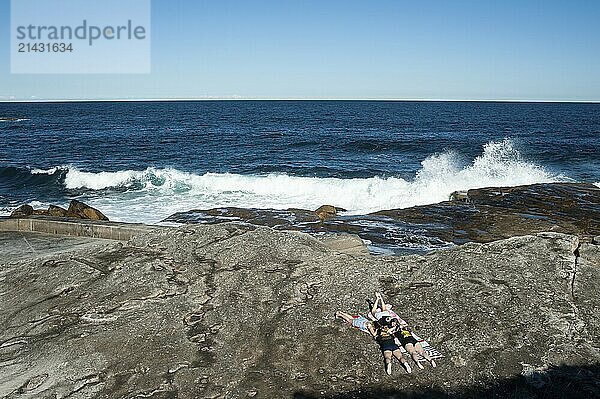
(142, 161)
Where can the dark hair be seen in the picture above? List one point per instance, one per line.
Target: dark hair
(385, 321)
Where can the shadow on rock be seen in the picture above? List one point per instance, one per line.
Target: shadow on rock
(563, 382)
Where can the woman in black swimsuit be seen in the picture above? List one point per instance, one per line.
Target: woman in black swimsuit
(410, 343)
(383, 331)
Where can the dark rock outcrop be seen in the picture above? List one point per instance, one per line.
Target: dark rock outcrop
(58, 211)
(77, 210)
(236, 311)
(325, 212)
(489, 214)
(261, 217)
(85, 211)
(22, 211)
(479, 215)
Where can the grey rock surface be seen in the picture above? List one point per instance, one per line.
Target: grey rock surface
(230, 311)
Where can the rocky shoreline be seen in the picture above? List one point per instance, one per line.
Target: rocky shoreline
(478, 215)
(238, 311)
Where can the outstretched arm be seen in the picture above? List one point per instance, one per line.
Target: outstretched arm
(376, 304)
(372, 330)
(384, 306)
(372, 312)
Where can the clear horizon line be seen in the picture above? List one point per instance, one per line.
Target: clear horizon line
(286, 99)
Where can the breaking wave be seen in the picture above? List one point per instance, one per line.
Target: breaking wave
(152, 194)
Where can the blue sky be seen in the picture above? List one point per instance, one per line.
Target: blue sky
(387, 49)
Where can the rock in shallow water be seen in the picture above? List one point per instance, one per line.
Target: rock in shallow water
(85, 211)
(325, 212)
(236, 311)
(479, 215)
(22, 211)
(57, 211)
(77, 210)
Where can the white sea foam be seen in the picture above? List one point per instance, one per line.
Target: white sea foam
(597, 184)
(153, 194)
(49, 171)
(98, 181)
(14, 120)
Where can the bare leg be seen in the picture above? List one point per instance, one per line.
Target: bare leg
(398, 355)
(387, 358)
(344, 316)
(413, 353)
(422, 352)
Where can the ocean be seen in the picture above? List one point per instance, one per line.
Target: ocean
(143, 161)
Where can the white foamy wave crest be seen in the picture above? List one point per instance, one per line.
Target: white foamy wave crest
(98, 181)
(49, 171)
(153, 194)
(500, 164)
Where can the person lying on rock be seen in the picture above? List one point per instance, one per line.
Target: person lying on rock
(406, 339)
(383, 330)
(357, 321)
(402, 332)
(381, 309)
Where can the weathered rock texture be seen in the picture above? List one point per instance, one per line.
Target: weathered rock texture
(77, 210)
(85, 211)
(227, 311)
(492, 213)
(23, 211)
(325, 212)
